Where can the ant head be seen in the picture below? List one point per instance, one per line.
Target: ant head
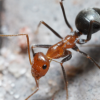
(40, 65)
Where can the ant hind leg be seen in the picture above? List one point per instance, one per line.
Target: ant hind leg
(86, 55)
(66, 21)
(42, 22)
(90, 31)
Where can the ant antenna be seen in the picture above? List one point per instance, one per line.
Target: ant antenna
(35, 90)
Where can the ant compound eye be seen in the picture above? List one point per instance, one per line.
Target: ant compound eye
(44, 66)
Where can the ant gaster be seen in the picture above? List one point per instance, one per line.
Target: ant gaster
(87, 22)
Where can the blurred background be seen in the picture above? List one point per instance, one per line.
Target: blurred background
(23, 16)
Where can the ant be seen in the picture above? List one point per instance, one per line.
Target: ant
(87, 23)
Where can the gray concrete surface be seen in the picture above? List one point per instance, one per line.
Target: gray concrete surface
(16, 82)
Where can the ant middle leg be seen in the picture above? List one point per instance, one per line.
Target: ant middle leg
(66, 21)
(38, 46)
(68, 55)
(86, 55)
(42, 22)
(90, 31)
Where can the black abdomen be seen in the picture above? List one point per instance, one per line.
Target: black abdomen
(84, 17)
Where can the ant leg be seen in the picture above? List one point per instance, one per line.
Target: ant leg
(28, 45)
(41, 46)
(62, 7)
(94, 45)
(69, 55)
(87, 56)
(42, 22)
(89, 34)
(36, 89)
(65, 79)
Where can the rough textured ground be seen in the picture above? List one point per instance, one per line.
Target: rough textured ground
(16, 82)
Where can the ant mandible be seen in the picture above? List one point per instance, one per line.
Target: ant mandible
(87, 22)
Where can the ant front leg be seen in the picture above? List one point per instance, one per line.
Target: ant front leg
(66, 21)
(86, 55)
(90, 31)
(37, 81)
(68, 55)
(42, 22)
(28, 45)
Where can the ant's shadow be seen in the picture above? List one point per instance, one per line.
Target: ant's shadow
(83, 77)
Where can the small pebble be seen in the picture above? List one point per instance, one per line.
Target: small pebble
(0, 83)
(16, 96)
(2, 92)
(17, 69)
(12, 85)
(11, 92)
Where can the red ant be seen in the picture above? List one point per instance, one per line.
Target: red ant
(41, 62)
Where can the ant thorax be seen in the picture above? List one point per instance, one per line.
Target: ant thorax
(57, 50)
(69, 41)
